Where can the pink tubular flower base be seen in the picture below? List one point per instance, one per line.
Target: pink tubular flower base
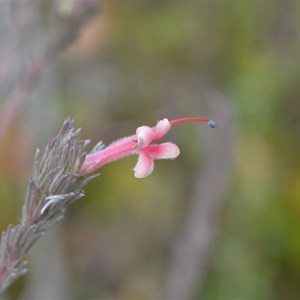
(140, 144)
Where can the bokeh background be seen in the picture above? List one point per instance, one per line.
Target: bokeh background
(221, 221)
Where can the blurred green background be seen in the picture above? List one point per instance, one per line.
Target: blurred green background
(134, 63)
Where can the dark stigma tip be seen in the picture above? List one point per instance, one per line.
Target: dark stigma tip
(212, 123)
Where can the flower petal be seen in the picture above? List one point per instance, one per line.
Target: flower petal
(144, 166)
(161, 128)
(144, 136)
(163, 151)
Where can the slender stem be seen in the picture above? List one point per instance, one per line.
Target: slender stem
(6, 269)
(191, 119)
(211, 123)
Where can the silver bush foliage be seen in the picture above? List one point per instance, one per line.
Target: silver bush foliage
(55, 183)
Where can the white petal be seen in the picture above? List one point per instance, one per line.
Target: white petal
(144, 166)
(163, 151)
(161, 129)
(144, 135)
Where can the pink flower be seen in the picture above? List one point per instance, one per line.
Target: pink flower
(140, 144)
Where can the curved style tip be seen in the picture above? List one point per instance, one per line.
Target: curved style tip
(212, 123)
